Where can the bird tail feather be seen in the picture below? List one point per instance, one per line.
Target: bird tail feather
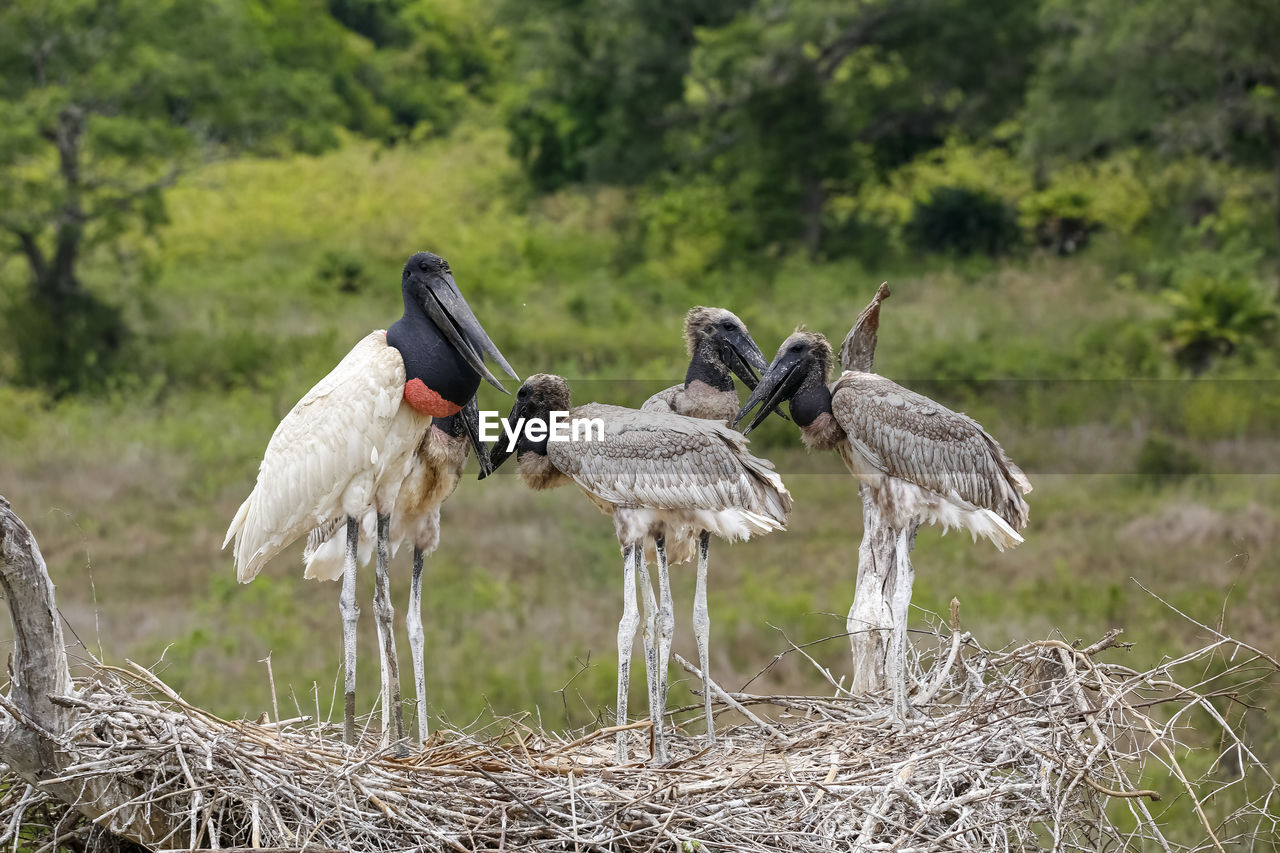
(996, 529)
(326, 553)
(237, 523)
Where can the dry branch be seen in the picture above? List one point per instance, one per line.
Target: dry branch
(1035, 748)
(1041, 745)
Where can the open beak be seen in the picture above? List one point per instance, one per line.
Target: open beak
(470, 416)
(498, 452)
(453, 316)
(779, 382)
(743, 357)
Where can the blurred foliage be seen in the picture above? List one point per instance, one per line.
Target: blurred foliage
(673, 147)
(963, 221)
(104, 105)
(1177, 72)
(604, 82)
(1160, 461)
(785, 106)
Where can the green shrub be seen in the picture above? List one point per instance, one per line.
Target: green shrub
(1082, 199)
(1216, 309)
(688, 228)
(344, 270)
(965, 222)
(1061, 219)
(1160, 460)
(71, 347)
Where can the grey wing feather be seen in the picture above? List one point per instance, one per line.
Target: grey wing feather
(664, 461)
(663, 401)
(908, 436)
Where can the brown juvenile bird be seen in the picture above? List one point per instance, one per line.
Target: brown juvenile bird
(653, 472)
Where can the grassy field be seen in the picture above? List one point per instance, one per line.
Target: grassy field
(270, 270)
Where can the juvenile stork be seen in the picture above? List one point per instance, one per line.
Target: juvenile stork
(348, 445)
(434, 472)
(719, 346)
(653, 472)
(920, 462)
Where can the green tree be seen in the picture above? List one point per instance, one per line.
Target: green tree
(803, 100)
(783, 104)
(1179, 75)
(604, 81)
(103, 104)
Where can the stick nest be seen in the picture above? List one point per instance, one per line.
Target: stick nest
(1047, 744)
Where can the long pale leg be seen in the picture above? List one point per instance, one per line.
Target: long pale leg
(650, 637)
(666, 630)
(626, 639)
(350, 611)
(702, 630)
(384, 615)
(417, 645)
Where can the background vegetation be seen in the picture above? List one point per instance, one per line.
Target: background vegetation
(1076, 202)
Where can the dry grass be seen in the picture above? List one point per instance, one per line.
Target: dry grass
(1046, 744)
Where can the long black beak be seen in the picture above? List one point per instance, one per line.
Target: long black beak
(453, 316)
(498, 452)
(743, 357)
(779, 382)
(470, 417)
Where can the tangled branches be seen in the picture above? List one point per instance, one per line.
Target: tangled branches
(1047, 744)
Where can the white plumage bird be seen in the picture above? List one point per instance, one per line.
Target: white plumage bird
(348, 445)
(434, 472)
(652, 472)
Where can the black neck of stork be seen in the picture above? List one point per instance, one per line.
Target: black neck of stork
(810, 402)
(528, 445)
(706, 366)
(450, 426)
(432, 360)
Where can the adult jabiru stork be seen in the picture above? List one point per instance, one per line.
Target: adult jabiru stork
(653, 472)
(347, 446)
(434, 473)
(920, 461)
(719, 346)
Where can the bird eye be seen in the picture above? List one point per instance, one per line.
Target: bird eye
(524, 392)
(797, 347)
(422, 265)
(727, 326)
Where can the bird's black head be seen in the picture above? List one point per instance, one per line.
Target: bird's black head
(722, 339)
(425, 262)
(801, 364)
(428, 283)
(540, 395)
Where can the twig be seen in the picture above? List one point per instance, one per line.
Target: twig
(726, 698)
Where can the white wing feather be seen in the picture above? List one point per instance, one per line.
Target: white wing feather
(317, 464)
